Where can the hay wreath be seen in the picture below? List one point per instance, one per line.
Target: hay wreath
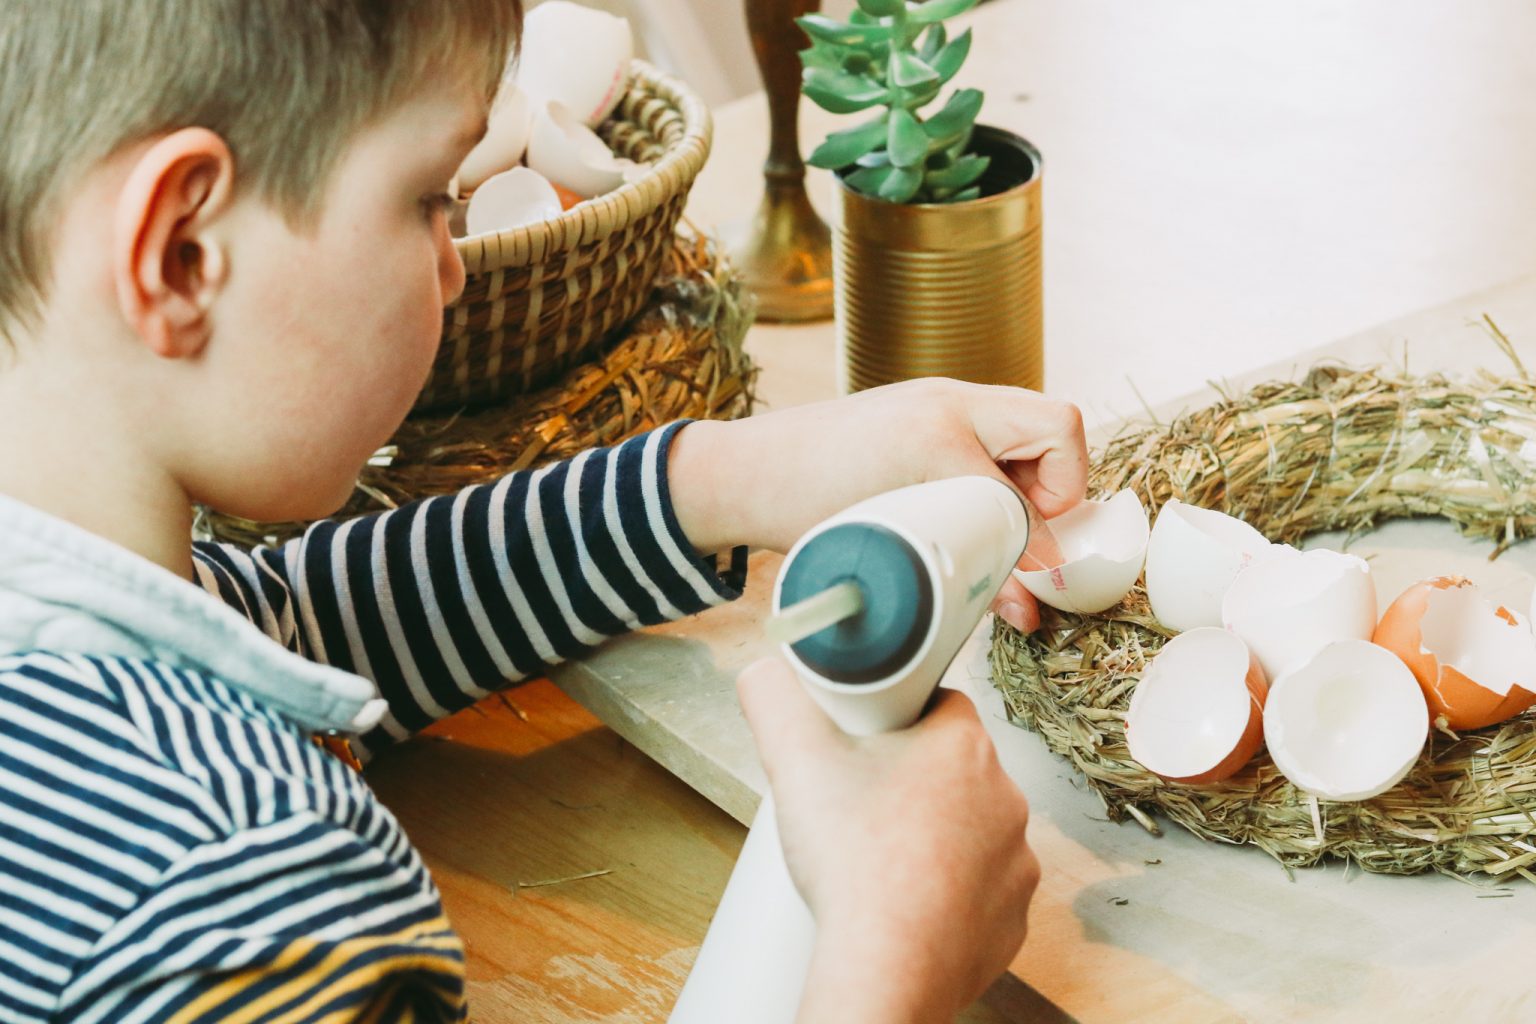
(1343, 450)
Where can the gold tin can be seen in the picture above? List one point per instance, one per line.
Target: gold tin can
(944, 290)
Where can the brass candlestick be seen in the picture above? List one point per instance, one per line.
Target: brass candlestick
(786, 256)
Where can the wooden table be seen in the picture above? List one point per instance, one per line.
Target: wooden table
(1227, 185)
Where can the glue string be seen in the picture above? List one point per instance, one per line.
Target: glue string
(1043, 552)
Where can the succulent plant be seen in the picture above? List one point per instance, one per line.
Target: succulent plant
(897, 55)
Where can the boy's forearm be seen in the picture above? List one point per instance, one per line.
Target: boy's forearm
(710, 495)
(757, 482)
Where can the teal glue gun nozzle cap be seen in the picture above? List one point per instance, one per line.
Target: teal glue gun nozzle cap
(878, 568)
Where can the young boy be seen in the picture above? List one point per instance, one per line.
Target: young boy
(223, 257)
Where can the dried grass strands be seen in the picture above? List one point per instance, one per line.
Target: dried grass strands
(682, 357)
(1342, 450)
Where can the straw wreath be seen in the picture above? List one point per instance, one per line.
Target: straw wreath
(1342, 450)
(682, 357)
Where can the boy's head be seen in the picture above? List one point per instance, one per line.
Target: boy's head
(220, 226)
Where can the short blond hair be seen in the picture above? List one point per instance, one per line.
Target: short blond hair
(286, 83)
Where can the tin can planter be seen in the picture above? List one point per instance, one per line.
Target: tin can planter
(944, 289)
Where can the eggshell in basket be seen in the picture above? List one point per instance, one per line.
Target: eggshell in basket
(1193, 557)
(1197, 715)
(1103, 544)
(569, 153)
(1348, 723)
(577, 56)
(1288, 604)
(1476, 663)
(506, 138)
(511, 199)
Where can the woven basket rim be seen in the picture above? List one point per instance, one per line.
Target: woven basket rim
(601, 216)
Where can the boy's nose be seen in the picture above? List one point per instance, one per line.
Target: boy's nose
(450, 267)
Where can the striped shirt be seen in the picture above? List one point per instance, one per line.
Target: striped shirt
(173, 845)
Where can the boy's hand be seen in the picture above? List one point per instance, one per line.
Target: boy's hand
(909, 848)
(765, 480)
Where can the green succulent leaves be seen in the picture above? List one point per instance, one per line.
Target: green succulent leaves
(905, 139)
(932, 11)
(841, 92)
(953, 123)
(846, 147)
(895, 54)
(909, 71)
(819, 26)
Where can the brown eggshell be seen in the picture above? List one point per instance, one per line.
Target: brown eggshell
(1462, 702)
(568, 198)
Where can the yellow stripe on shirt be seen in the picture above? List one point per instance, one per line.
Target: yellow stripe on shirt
(429, 946)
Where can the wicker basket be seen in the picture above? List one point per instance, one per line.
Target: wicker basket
(541, 297)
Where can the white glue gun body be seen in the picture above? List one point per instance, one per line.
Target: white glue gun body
(906, 575)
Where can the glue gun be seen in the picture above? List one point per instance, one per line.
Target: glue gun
(870, 607)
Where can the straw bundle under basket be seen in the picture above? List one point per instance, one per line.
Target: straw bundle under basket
(543, 296)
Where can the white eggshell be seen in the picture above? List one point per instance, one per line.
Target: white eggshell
(1288, 604)
(506, 138)
(569, 153)
(511, 199)
(1348, 723)
(1193, 557)
(1104, 544)
(577, 56)
(631, 170)
(1197, 713)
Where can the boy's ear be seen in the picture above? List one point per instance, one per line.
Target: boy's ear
(167, 263)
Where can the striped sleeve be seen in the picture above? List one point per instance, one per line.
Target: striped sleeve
(443, 600)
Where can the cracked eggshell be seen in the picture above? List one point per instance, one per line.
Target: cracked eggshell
(506, 138)
(1348, 723)
(1476, 663)
(1193, 557)
(1288, 604)
(511, 199)
(569, 153)
(1103, 544)
(1197, 715)
(577, 56)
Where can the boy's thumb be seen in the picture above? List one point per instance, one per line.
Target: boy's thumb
(786, 723)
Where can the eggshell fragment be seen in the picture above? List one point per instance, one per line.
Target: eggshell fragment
(1348, 723)
(1103, 544)
(1198, 713)
(577, 56)
(1476, 663)
(569, 153)
(1193, 557)
(511, 199)
(506, 138)
(1288, 604)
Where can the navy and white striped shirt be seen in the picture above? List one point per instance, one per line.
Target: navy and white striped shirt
(173, 847)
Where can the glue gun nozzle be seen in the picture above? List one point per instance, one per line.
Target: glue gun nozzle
(815, 613)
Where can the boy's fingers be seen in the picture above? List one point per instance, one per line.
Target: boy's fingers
(1046, 437)
(785, 721)
(950, 709)
(1017, 606)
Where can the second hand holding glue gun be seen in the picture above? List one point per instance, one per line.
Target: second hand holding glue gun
(871, 606)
